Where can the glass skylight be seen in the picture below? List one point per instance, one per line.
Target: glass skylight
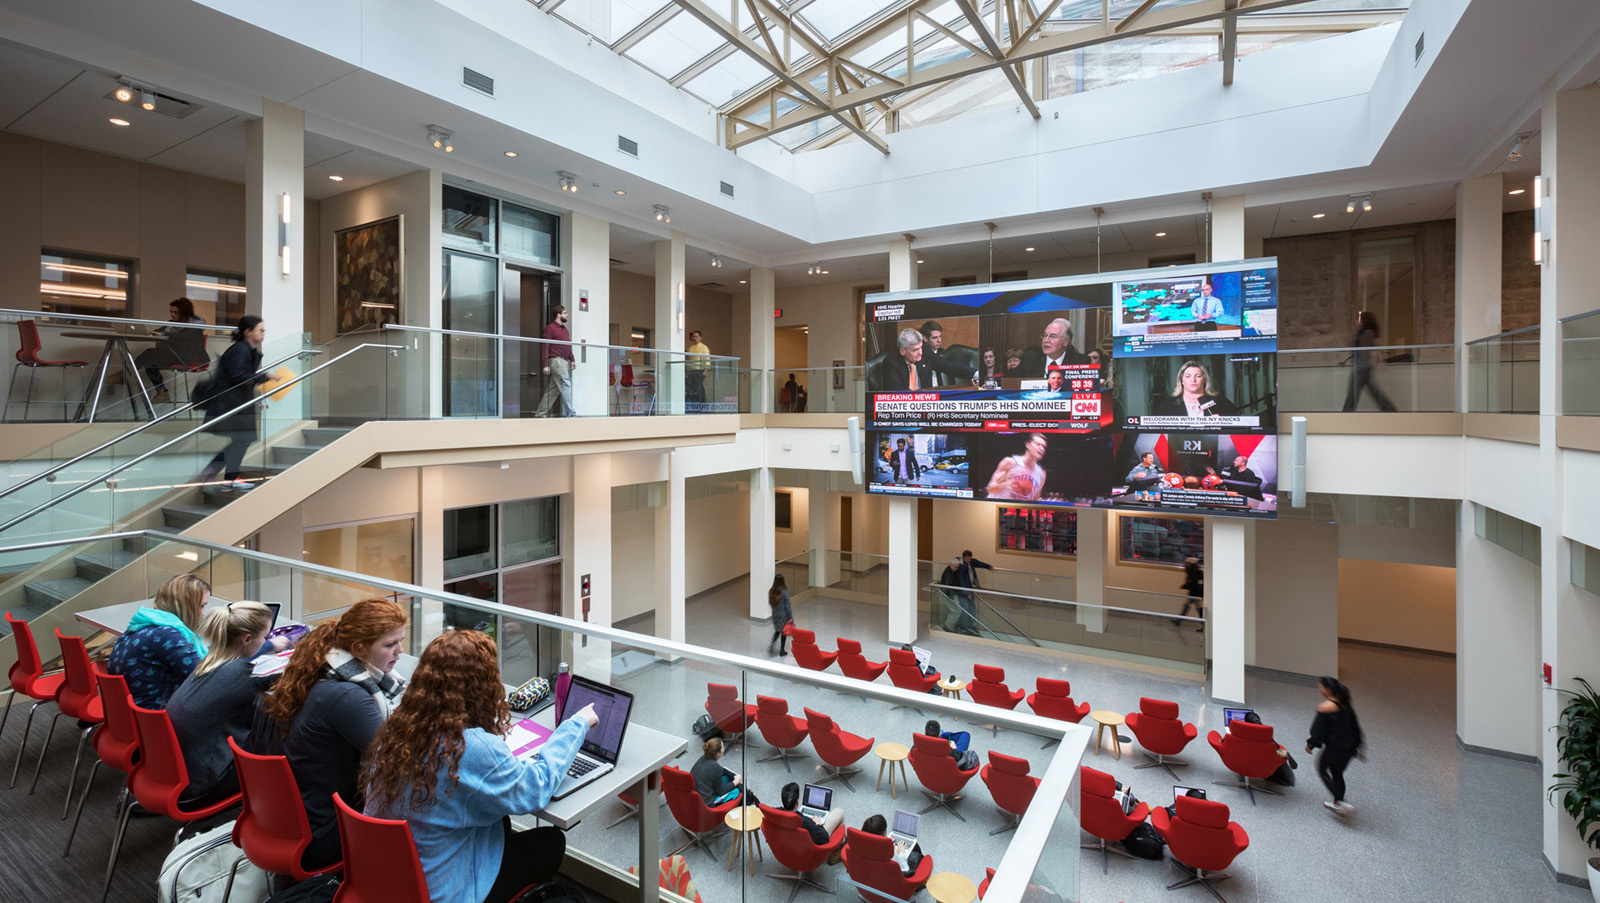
(671, 48)
(609, 20)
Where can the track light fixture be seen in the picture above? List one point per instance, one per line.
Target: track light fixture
(569, 182)
(124, 92)
(663, 215)
(716, 262)
(816, 270)
(440, 139)
(1362, 200)
(1518, 141)
(147, 100)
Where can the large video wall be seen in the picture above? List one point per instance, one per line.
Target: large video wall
(1145, 390)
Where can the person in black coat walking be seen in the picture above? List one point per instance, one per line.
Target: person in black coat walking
(1338, 731)
(782, 615)
(238, 374)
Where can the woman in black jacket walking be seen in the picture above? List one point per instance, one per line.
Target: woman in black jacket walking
(1338, 731)
(238, 374)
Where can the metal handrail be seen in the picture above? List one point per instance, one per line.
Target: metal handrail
(1587, 313)
(575, 344)
(81, 487)
(1130, 611)
(1503, 335)
(946, 590)
(120, 321)
(47, 474)
(1364, 348)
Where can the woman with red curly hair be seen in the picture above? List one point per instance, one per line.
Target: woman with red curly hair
(442, 764)
(328, 705)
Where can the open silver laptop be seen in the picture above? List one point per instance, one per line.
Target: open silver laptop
(598, 755)
(904, 829)
(815, 801)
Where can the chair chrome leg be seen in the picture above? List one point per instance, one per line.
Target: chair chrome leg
(88, 785)
(779, 752)
(843, 774)
(1161, 761)
(227, 890)
(633, 811)
(1105, 853)
(72, 781)
(1050, 743)
(23, 746)
(39, 763)
(116, 846)
(941, 799)
(1250, 787)
(801, 879)
(703, 841)
(1009, 825)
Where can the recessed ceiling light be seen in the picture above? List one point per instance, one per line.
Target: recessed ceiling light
(511, 153)
(743, 281)
(336, 178)
(1161, 235)
(919, 261)
(619, 192)
(1516, 191)
(1029, 250)
(119, 122)
(1318, 215)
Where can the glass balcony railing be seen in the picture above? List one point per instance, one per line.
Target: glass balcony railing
(1503, 373)
(1580, 364)
(671, 684)
(818, 390)
(1412, 377)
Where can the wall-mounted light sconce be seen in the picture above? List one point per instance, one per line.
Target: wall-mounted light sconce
(663, 215)
(569, 182)
(283, 233)
(1543, 221)
(680, 307)
(440, 139)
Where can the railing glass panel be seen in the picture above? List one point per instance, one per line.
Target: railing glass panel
(1503, 373)
(1580, 364)
(1411, 377)
(818, 390)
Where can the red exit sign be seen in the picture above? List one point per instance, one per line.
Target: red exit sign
(777, 312)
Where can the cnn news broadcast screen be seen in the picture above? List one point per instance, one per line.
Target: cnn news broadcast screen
(1145, 390)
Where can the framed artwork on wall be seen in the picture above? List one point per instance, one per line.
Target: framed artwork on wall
(1160, 541)
(367, 271)
(1041, 531)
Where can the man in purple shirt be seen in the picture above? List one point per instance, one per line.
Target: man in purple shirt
(556, 356)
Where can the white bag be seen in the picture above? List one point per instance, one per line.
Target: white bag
(196, 871)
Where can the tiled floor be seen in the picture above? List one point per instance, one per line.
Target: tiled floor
(1434, 822)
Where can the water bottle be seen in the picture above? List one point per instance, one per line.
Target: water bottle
(563, 680)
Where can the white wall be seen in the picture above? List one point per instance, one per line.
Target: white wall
(1403, 466)
(1581, 517)
(1506, 477)
(1410, 605)
(1297, 598)
(1497, 655)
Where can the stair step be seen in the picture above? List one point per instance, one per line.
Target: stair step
(137, 544)
(47, 594)
(27, 612)
(185, 516)
(292, 454)
(322, 435)
(100, 565)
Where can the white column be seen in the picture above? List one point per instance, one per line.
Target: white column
(671, 296)
(902, 266)
(821, 531)
(1479, 206)
(670, 545)
(587, 262)
(1227, 228)
(763, 539)
(431, 503)
(589, 554)
(902, 570)
(1230, 580)
(275, 166)
(1090, 582)
(763, 300)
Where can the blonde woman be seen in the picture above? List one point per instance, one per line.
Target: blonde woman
(218, 700)
(160, 648)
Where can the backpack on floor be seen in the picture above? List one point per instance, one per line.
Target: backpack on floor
(196, 871)
(1144, 842)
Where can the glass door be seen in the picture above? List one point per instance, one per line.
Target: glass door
(471, 365)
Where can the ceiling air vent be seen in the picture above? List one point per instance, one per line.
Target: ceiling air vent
(477, 81)
(1416, 56)
(712, 285)
(727, 189)
(628, 146)
(617, 263)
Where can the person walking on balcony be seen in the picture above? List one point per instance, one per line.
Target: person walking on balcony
(694, 383)
(238, 374)
(1362, 362)
(556, 356)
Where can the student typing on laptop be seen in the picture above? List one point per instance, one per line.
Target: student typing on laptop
(718, 785)
(907, 855)
(441, 763)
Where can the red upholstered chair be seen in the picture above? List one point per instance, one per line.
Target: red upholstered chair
(78, 698)
(733, 716)
(904, 673)
(988, 875)
(869, 860)
(807, 654)
(988, 687)
(837, 748)
(631, 806)
(158, 780)
(941, 778)
(1201, 839)
(116, 740)
(702, 822)
(791, 845)
(1011, 786)
(782, 731)
(1248, 751)
(855, 665)
(272, 830)
(28, 679)
(1102, 817)
(1160, 732)
(381, 864)
(1054, 700)
(28, 349)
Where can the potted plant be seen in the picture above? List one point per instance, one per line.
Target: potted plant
(1578, 747)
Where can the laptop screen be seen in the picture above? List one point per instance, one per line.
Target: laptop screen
(818, 797)
(923, 656)
(905, 823)
(275, 608)
(1229, 716)
(1179, 791)
(611, 706)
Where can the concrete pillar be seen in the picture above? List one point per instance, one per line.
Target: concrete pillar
(670, 547)
(586, 258)
(1230, 586)
(589, 554)
(275, 166)
(763, 300)
(1227, 228)
(1479, 204)
(671, 297)
(821, 531)
(1090, 583)
(903, 571)
(902, 266)
(763, 539)
(1569, 627)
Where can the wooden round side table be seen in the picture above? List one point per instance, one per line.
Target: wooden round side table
(951, 688)
(949, 887)
(893, 754)
(745, 821)
(1105, 719)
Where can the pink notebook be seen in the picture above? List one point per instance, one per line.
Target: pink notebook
(525, 738)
